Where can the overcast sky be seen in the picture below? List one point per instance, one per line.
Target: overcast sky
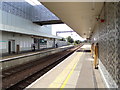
(64, 27)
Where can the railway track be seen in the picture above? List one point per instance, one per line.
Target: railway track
(20, 77)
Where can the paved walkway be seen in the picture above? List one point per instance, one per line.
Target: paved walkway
(31, 52)
(76, 71)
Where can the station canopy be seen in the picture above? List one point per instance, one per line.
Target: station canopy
(80, 16)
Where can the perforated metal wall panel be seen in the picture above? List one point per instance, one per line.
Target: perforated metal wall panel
(28, 11)
(107, 34)
(22, 9)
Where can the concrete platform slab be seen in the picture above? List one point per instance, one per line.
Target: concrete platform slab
(76, 71)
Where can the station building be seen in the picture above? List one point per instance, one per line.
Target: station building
(23, 25)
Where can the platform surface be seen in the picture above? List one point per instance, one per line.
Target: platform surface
(14, 55)
(76, 71)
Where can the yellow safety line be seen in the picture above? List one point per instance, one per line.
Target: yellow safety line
(75, 60)
(68, 77)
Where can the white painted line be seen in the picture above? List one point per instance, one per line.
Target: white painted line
(49, 71)
(105, 78)
(107, 85)
(34, 53)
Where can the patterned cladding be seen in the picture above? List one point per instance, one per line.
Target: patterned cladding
(118, 39)
(107, 34)
(22, 9)
(27, 11)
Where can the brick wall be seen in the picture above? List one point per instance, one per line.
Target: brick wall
(107, 34)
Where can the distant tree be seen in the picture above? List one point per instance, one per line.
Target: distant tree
(63, 39)
(69, 39)
(77, 42)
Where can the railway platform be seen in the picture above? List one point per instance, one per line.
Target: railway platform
(31, 52)
(14, 60)
(76, 71)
